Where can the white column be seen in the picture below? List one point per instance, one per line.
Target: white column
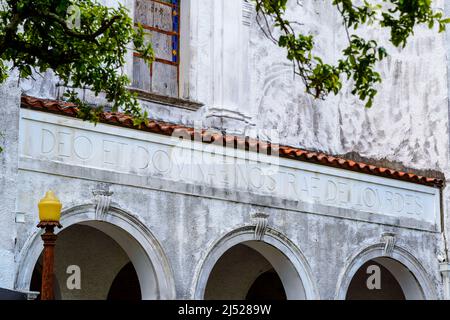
(447, 14)
(9, 141)
(230, 66)
(444, 267)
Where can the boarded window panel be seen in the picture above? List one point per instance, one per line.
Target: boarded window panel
(165, 79)
(141, 74)
(144, 12)
(162, 17)
(162, 45)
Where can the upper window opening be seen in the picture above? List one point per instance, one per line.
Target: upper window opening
(161, 20)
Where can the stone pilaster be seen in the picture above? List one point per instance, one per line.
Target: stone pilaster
(9, 140)
(231, 75)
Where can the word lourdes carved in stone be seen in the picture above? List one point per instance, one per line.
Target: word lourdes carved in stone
(102, 200)
(261, 225)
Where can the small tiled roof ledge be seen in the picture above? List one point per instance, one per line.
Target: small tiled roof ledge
(164, 128)
(166, 100)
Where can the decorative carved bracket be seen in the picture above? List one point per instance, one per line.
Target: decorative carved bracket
(262, 221)
(388, 238)
(102, 200)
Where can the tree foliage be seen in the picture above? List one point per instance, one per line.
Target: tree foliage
(359, 58)
(82, 41)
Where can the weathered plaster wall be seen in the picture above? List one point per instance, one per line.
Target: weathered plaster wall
(446, 192)
(407, 123)
(9, 139)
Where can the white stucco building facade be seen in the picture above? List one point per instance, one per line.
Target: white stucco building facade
(215, 215)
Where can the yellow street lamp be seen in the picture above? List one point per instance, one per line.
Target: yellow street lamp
(49, 208)
(49, 216)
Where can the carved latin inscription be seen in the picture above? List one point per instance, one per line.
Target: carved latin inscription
(144, 154)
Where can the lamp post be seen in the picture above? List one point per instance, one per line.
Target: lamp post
(49, 215)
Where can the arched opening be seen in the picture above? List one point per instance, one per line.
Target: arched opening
(282, 255)
(383, 278)
(90, 265)
(253, 270)
(131, 239)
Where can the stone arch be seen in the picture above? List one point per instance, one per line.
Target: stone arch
(151, 264)
(407, 270)
(285, 257)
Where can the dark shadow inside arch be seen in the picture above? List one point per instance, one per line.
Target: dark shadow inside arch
(36, 281)
(126, 285)
(267, 286)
